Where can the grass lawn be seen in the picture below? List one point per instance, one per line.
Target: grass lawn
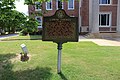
(80, 61)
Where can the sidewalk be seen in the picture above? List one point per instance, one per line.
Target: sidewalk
(7, 36)
(103, 42)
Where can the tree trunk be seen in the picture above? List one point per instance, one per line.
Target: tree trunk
(13, 30)
(9, 31)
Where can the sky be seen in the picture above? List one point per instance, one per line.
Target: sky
(21, 7)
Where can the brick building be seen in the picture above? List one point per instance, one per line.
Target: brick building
(95, 16)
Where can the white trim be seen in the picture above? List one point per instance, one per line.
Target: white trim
(106, 4)
(110, 19)
(72, 16)
(106, 31)
(73, 5)
(118, 17)
(93, 16)
(90, 15)
(80, 18)
(57, 5)
(51, 5)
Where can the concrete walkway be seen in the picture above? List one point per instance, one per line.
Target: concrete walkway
(103, 42)
(8, 36)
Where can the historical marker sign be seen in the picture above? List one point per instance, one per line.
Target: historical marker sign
(60, 28)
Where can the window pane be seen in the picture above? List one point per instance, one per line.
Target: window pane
(49, 5)
(39, 19)
(108, 16)
(99, 19)
(59, 4)
(37, 5)
(103, 19)
(71, 4)
(100, 1)
(108, 1)
(104, 1)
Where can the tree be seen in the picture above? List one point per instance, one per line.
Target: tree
(17, 20)
(32, 2)
(5, 8)
(10, 19)
(29, 26)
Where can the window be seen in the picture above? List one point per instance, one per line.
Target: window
(71, 4)
(39, 19)
(104, 19)
(104, 2)
(49, 5)
(58, 2)
(37, 6)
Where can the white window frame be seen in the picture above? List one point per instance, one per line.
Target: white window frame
(51, 5)
(35, 7)
(105, 4)
(57, 5)
(73, 5)
(110, 20)
(40, 25)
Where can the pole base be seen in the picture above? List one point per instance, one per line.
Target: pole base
(59, 72)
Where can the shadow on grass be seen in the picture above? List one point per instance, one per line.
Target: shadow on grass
(34, 74)
(36, 37)
(62, 76)
(6, 72)
(6, 66)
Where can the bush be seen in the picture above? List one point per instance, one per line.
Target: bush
(39, 32)
(23, 33)
(30, 27)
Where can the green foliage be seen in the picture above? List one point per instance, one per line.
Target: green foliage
(29, 26)
(29, 2)
(32, 2)
(10, 19)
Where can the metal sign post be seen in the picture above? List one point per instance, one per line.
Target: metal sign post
(59, 58)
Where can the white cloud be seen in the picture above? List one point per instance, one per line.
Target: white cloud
(21, 7)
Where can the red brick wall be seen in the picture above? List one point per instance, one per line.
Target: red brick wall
(113, 9)
(74, 12)
(85, 13)
(31, 9)
(114, 2)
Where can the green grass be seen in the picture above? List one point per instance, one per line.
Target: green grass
(80, 61)
(32, 37)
